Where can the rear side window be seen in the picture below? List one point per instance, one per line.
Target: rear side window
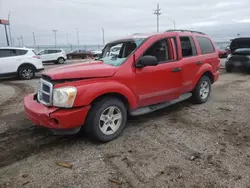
(205, 45)
(21, 52)
(53, 51)
(188, 47)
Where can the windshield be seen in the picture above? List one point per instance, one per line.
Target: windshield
(116, 53)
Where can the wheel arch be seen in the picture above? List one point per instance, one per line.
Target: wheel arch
(26, 64)
(92, 92)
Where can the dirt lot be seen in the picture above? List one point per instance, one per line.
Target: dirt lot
(185, 145)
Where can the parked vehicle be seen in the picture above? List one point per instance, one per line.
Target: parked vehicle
(240, 54)
(151, 72)
(223, 52)
(96, 54)
(82, 54)
(21, 62)
(53, 55)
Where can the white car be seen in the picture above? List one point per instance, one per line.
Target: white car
(22, 62)
(56, 56)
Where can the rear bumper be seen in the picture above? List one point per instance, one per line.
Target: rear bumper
(53, 117)
(216, 76)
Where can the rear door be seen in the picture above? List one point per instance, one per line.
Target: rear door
(190, 62)
(156, 84)
(8, 61)
(208, 52)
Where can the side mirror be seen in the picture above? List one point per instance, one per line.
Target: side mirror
(147, 60)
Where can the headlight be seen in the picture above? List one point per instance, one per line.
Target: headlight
(64, 97)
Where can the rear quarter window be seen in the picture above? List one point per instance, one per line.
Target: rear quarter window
(21, 52)
(206, 45)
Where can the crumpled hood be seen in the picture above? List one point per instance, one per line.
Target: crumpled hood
(96, 69)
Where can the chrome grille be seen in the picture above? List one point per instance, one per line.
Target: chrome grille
(44, 93)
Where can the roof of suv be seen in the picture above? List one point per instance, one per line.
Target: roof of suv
(16, 48)
(147, 35)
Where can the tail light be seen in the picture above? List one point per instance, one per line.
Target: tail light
(37, 57)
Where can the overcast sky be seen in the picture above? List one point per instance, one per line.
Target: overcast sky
(221, 19)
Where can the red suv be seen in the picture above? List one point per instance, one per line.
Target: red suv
(150, 72)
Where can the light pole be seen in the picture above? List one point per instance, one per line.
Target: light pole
(67, 35)
(103, 37)
(173, 21)
(157, 13)
(19, 44)
(34, 38)
(77, 33)
(21, 37)
(9, 29)
(55, 37)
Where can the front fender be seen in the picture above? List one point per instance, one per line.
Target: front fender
(90, 91)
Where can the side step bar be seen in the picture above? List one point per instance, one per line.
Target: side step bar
(155, 107)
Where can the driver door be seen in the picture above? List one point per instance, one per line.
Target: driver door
(160, 83)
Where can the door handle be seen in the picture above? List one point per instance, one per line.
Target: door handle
(198, 63)
(176, 69)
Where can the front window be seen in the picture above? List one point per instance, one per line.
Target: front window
(116, 53)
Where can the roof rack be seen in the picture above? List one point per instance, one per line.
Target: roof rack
(184, 30)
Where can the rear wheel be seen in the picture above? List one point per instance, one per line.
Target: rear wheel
(26, 72)
(202, 90)
(61, 60)
(107, 119)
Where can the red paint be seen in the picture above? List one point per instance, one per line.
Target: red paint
(54, 117)
(141, 87)
(81, 70)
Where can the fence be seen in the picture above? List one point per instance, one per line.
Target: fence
(66, 48)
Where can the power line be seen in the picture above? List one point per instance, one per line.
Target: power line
(21, 37)
(157, 13)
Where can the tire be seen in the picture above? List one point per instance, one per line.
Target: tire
(99, 120)
(26, 72)
(202, 90)
(60, 60)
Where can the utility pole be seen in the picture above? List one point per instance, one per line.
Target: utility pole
(9, 29)
(67, 35)
(77, 36)
(22, 40)
(19, 44)
(7, 38)
(55, 37)
(34, 38)
(103, 37)
(157, 13)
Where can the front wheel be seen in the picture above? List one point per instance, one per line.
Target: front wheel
(107, 119)
(60, 60)
(202, 90)
(26, 72)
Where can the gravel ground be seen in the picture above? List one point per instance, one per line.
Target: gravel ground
(184, 145)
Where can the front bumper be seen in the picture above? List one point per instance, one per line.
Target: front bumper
(53, 117)
(39, 70)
